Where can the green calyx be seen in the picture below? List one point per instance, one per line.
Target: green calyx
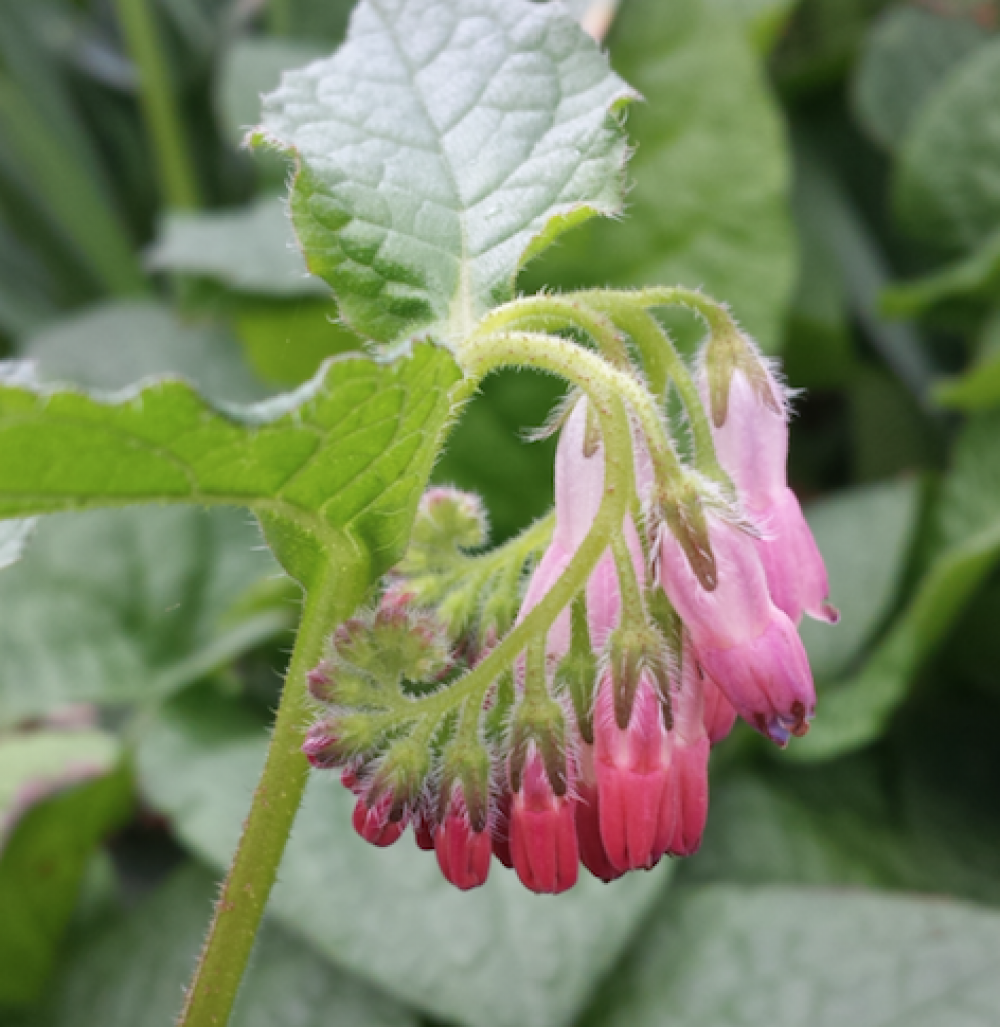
(577, 671)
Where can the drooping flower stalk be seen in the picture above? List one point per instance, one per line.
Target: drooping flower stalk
(658, 611)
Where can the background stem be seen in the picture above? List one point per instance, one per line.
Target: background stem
(276, 801)
(173, 159)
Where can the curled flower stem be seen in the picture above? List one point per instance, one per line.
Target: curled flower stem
(488, 353)
(592, 374)
(556, 312)
(716, 315)
(659, 352)
(276, 800)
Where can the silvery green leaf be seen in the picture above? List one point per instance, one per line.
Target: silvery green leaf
(444, 144)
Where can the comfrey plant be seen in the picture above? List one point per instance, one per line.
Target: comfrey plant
(580, 733)
(551, 702)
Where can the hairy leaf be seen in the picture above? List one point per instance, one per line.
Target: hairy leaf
(132, 971)
(496, 957)
(440, 147)
(124, 606)
(344, 457)
(784, 957)
(709, 202)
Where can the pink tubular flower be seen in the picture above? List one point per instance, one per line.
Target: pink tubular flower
(752, 446)
(719, 713)
(542, 832)
(688, 788)
(462, 853)
(633, 771)
(593, 855)
(744, 642)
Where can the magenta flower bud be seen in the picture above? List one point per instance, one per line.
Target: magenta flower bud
(752, 446)
(744, 642)
(593, 855)
(462, 853)
(322, 746)
(542, 832)
(373, 823)
(632, 768)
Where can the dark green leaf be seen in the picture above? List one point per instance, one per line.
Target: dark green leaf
(865, 536)
(947, 187)
(131, 973)
(906, 54)
(709, 205)
(125, 606)
(784, 957)
(286, 340)
(978, 390)
(59, 796)
(975, 276)
(250, 250)
(113, 345)
(496, 957)
(855, 712)
(443, 145)
(339, 463)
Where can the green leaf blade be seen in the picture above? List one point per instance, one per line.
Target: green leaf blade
(439, 148)
(349, 452)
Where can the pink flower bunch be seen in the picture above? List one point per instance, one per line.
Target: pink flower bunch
(601, 756)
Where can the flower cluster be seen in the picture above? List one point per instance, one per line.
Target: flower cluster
(588, 742)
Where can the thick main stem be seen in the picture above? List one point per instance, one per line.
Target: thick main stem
(333, 597)
(156, 94)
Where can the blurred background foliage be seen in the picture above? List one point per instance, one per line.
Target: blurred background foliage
(829, 167)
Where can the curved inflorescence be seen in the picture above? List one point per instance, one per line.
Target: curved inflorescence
(566, 716)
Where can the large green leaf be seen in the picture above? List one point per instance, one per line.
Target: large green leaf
(249, 250)
(339, 463)
(440, 147)
(947, 187)
(865, 536)
(59, 796)
(906, 54)
(496, 957)
(131, 972)
(856, 711)
(113, 345)
(710, 196)
(124, 606)
(285, 318)
(784, 957)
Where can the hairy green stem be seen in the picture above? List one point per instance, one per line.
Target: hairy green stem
(156, 94)
(659, 352)
(593, 375)
(480, 357)
(276, 800)
(715, 315)
(547, 312)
